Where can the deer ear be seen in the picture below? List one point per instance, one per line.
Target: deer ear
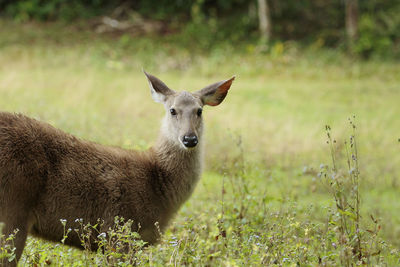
(159, 90)
(214, 94)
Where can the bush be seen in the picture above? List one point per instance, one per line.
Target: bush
(206, 22)
(43, 10)
(379, 35)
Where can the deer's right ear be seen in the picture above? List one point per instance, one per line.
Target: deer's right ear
(159, 90)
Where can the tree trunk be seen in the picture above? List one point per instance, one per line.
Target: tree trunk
(351, 20)
(264, 19)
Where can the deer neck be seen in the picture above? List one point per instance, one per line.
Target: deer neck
(179, 169)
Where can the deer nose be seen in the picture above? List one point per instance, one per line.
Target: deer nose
(190, 140)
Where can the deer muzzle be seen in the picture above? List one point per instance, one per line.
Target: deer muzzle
(190, 140)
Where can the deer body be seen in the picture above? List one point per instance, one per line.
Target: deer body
(47, 175)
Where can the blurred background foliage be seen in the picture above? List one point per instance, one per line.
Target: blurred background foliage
(205, 24)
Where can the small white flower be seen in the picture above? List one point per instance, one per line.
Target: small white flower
(102, 236)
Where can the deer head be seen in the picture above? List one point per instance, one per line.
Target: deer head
(183, 122)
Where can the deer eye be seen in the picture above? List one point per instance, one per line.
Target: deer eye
(199, 112)
(172, 111)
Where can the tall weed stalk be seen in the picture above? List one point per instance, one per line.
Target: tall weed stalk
(354, 243)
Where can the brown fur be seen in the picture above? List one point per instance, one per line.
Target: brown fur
(47, 175)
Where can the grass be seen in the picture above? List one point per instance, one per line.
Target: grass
(260, 201)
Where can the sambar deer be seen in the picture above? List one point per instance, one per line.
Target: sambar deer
(47, 175)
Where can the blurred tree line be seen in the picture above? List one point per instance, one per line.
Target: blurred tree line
(366, 27)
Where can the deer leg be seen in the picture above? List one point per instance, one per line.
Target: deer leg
(16, 227)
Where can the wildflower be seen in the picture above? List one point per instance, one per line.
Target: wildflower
(102, 236)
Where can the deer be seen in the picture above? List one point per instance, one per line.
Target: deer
(47, 174)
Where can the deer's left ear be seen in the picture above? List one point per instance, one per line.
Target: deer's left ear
(214, 94)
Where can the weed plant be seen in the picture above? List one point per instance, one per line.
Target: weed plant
(354, 244)
(7, 248)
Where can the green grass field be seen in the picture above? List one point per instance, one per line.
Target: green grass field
(260, 201)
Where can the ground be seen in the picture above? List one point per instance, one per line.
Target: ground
(261, 200)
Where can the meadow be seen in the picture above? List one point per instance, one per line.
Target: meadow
(267, 195)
